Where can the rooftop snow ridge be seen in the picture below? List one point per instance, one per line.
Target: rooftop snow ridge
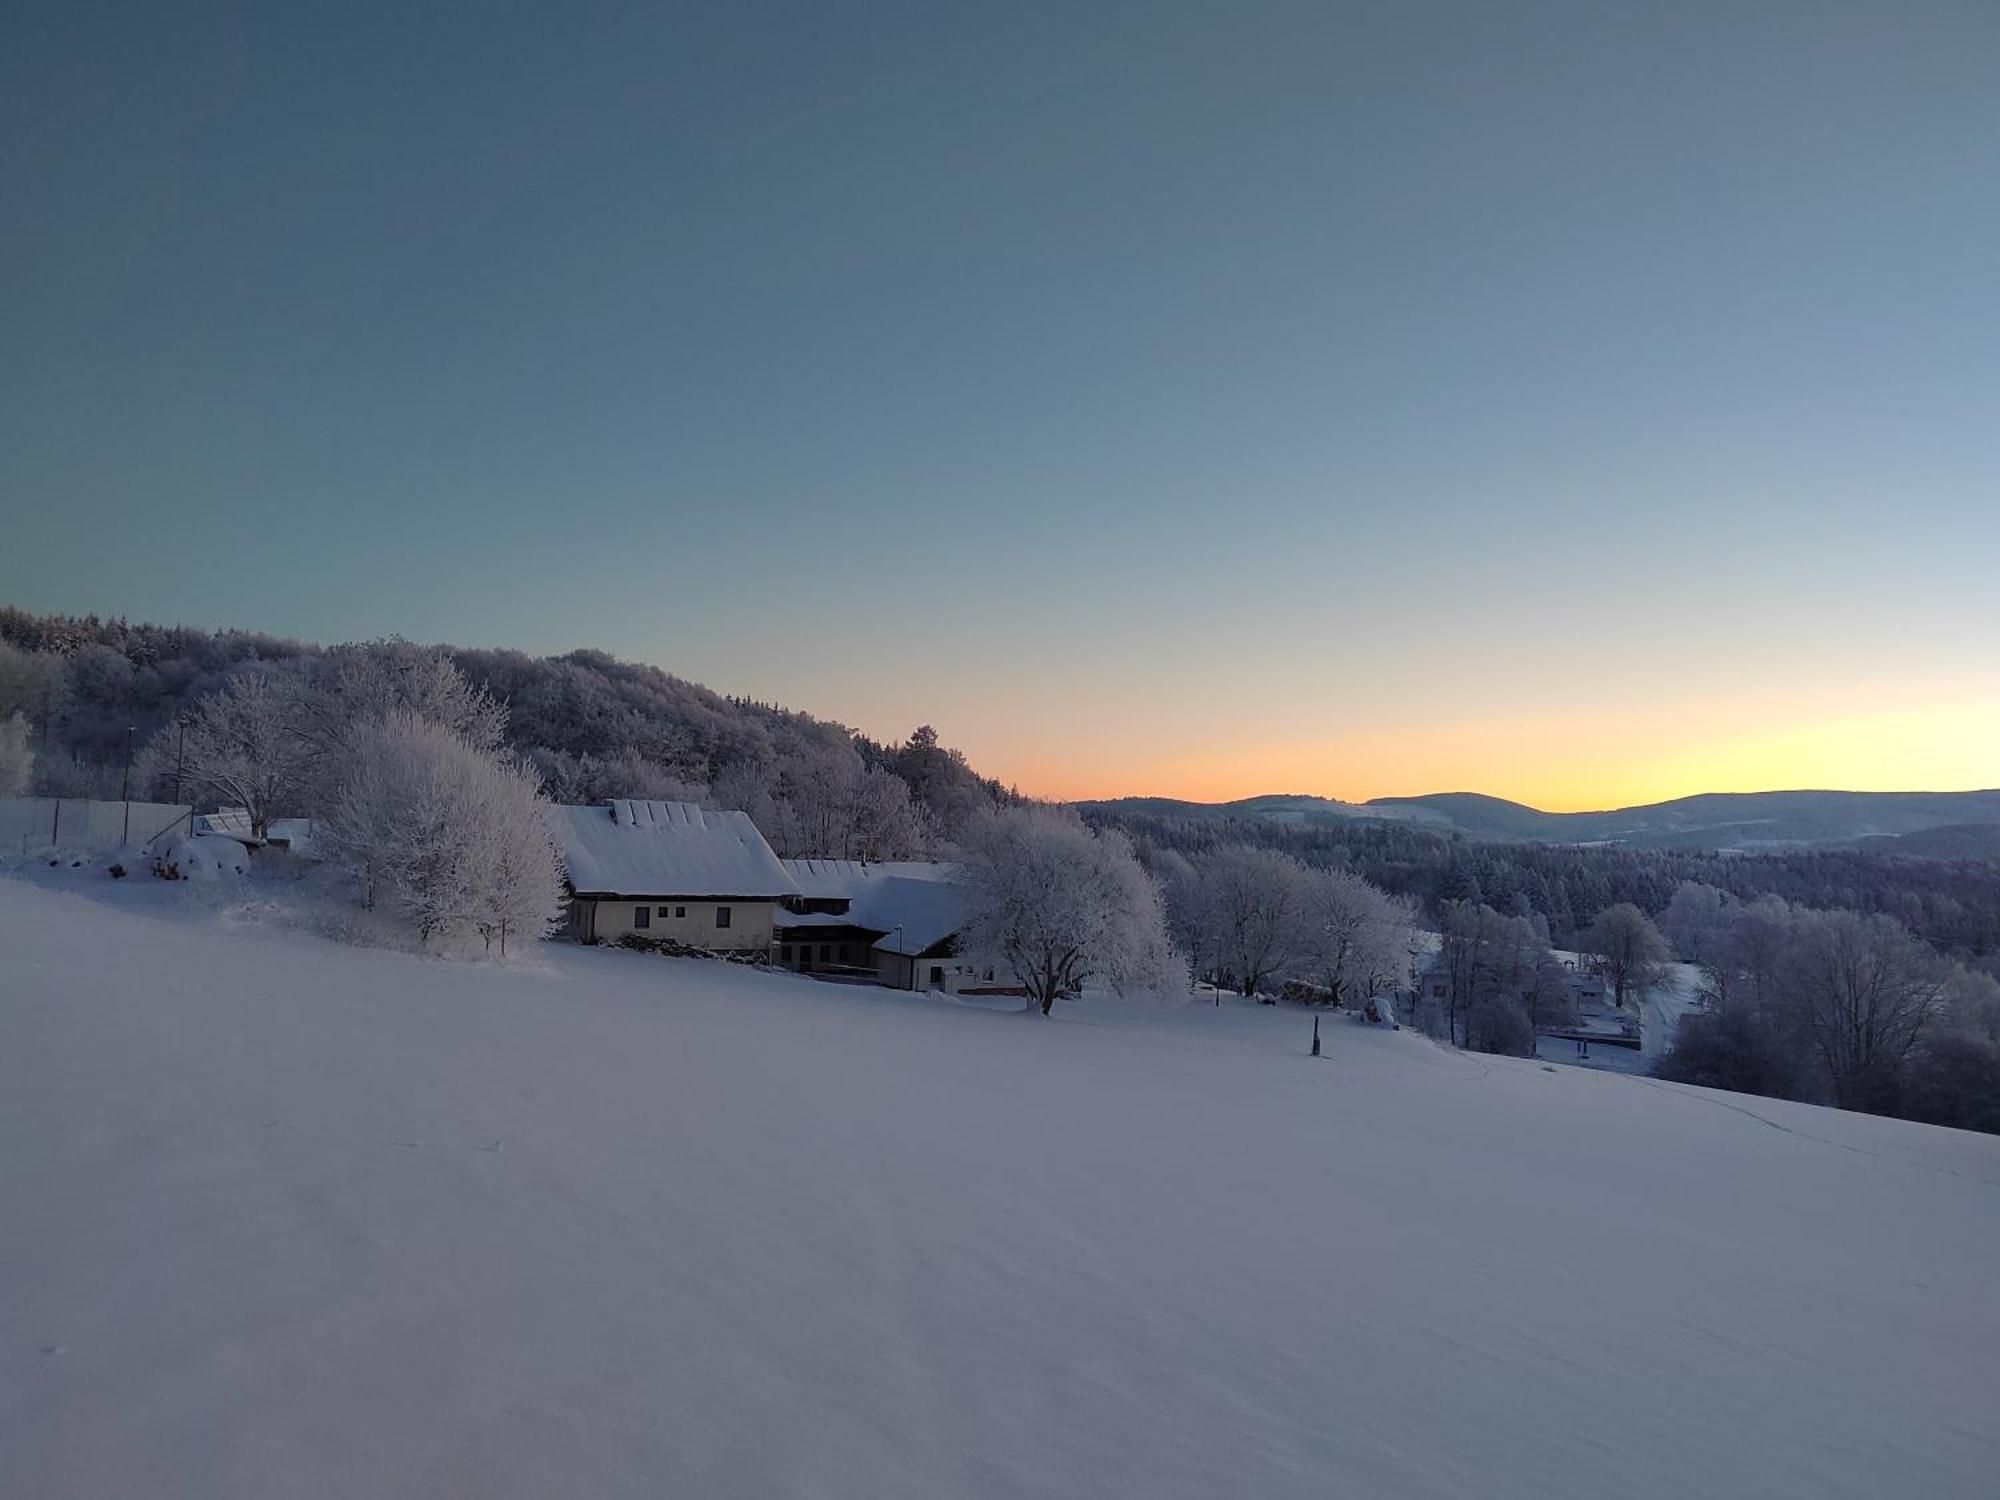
(634, 847)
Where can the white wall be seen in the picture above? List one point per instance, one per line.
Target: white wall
(901, 973)
(30, 825)
(750, 922)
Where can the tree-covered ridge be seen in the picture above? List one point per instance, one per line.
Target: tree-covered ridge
(1953, 903)
(592, 725)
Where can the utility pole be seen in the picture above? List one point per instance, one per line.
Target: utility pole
(181, 757)
(125, 786)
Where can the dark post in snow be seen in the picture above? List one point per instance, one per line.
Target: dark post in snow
(125, 787)
(181, 759)
(1315, 1036)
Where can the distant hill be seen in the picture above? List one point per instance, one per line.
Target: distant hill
(1953, 841)
(1906, 822)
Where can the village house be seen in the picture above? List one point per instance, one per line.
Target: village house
(672, 872)
(894, 923)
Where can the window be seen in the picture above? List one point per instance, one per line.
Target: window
(937, 977)
(722, 916)
(680, 911)
(663, 912)
(826, 953)
(642, 916)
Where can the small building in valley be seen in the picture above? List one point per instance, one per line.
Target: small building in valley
(672, 872)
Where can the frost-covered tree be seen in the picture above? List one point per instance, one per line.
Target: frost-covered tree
(590, 779)
(357, 685)
(945, 789)
(1353, 938)
(1056, 905)
(23, 679)
(1866, 991)
(1190, 923)
(442, 833)
(244, 745)
(883, 820)
(1694, 919)
(1255, 899)
(15, 761)
(1484, 956)
(1750, 951)
(517, 888)
(1630, 949)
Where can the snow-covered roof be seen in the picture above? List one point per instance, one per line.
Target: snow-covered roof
(913, 915)
(914, 904)
(637, 848)
(228, 823)
(848, 878)
(294, 833)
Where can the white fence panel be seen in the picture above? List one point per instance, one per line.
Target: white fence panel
(79, 825)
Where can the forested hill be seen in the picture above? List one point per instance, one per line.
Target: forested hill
(1711, 820)
(595, 726)
(1954, 902)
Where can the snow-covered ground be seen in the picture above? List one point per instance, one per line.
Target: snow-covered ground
(282, 1217)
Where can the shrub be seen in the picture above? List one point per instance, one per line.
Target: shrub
(1498, 1024)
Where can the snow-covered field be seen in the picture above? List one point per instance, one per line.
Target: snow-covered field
(280, 1217)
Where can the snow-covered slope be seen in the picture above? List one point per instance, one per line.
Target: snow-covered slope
(281, 1217)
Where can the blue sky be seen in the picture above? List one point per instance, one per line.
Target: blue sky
(1161, 398)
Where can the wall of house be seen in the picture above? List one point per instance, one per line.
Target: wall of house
(751, 923)
(901, 973)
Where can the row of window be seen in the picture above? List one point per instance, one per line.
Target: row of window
(642, 916)
(803, 953)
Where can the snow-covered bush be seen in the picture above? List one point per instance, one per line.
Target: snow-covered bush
(183, 857)
(1055, 905)
(1497, 1023)
(444, 833)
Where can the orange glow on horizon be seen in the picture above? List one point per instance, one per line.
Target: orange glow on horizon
(1565, 760)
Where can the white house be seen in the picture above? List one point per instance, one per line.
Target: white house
(671, 871)
(894, 922)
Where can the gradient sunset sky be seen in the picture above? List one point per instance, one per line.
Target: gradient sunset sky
(1583, 403)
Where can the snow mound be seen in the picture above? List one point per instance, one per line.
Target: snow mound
(203, 859)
